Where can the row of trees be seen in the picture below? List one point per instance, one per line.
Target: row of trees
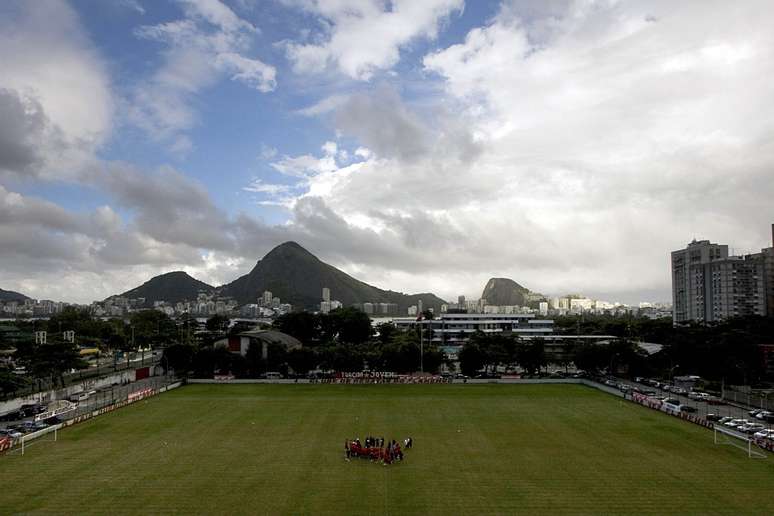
(727, 350)
(342, 340)
(50, 361)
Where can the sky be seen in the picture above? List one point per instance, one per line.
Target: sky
(419, 146)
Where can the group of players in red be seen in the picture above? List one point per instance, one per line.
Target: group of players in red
(376, 450)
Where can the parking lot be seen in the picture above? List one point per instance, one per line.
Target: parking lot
(96, 400)
(717, 411)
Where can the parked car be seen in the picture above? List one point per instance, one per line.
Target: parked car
(713, 417)
(10, 432)
(764, 434)
(40, 425)
(725, 419)
(734, 423)
(754, 412)
(768, 418)
(750, 428)
(763, 413)
(687, 409)
(32, 409)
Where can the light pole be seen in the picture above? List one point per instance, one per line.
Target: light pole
(672, 372)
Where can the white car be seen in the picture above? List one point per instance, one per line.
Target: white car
(763, 414)
(735, 423)
(750, 428)
(765, 434)
(13, 434)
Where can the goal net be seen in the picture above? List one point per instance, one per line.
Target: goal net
(50, 434)
(739, 440)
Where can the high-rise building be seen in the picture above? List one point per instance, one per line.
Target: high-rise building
(326, 294)
(709, 285)
(267, 298)
(768, 273)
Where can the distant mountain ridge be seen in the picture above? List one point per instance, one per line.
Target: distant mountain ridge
(172, 287)
(289, 272)
(297, 277)
(9, 295)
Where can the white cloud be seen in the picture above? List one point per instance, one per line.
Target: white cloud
(572, 150)
(209, 41)
(361, 37)
(60, 79)
(258, 186)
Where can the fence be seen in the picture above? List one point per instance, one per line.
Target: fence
(132, 397)
(756, 399)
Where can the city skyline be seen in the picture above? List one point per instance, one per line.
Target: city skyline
(418, 146)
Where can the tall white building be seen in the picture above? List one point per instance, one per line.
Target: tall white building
(709, 285)
(326, 294)
(267, 298)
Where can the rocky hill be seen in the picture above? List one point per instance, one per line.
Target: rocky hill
(9, 295)
(171, 287)
(297, 276)
(504, 291)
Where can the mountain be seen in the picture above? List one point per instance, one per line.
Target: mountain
(9, 295)
(297, 277)
(171, 287)
(503, 292)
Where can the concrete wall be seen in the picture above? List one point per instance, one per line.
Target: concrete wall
(58, 394)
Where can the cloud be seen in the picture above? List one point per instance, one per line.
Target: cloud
(133, 5)
(362, 37)
(324, 106)
(54, 91)
(381, 122)
(22, 125)
(208, 42)
(258, 186)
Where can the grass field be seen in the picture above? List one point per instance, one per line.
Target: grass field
(246, 449)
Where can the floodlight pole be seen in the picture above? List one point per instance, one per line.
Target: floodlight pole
(421, 348)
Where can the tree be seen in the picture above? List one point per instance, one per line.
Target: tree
(304, 326)
(472, 358)
(347, 325)
(532, 355)
(50, 360)
(302, 360)
(217, 324)
(178, 357)
(386, 332)
(151, 328)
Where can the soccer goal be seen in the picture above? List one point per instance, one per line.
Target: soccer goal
(739, 440)
(26, 441)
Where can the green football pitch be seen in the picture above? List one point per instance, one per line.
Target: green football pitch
(479, 449)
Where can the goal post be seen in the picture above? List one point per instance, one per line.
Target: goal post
(739, 440)
(26, 441)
